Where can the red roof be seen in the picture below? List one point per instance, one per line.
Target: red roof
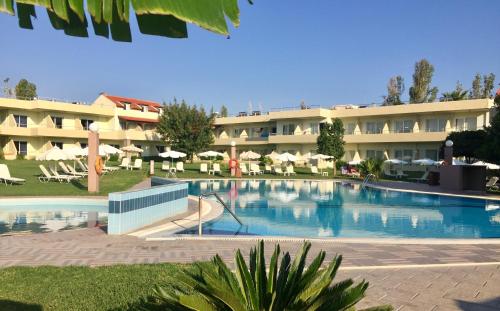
(143, 120)
(134, 103)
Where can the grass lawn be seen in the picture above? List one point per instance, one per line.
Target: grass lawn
(118, 287)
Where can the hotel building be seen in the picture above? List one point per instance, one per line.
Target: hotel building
(408, 131)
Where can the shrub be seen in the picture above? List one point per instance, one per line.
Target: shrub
(289, 286)
(371, 166)
(265, 160)
(113, 158)
(340, 163)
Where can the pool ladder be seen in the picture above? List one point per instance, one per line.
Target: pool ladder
(219, 199)
(367, 179)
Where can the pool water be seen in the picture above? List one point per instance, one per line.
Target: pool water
(44, 215)
(299, 208)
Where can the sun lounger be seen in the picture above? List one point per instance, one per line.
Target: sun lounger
(179, 166)
(74, 172)
(137, 165)
(289, 171)
(423, 178)
(203, 168)
(63, 176)
(6, 178)
(314, 170)
(255, 169)
(278, 170)
(125, 163)
(268, 169)
(67, 171)
(492, 183)
(165, 166)
(243, 168)
(215, 169)
(81, 165)
(46, 176)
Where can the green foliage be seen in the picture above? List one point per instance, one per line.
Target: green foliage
(490, 150)
(467, 143)
(421, 91)
(265, 160)
(166, 18)
(458, 94)
(186, 128)
(113, 157)
(395, 89)
(371, 166)
(482, 86)
(340, 163)
(286, 286)
(25, 90)
(331, 140)
(223, 111)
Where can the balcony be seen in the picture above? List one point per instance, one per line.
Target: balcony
(293, 139)
(241, 141)
(394, 137)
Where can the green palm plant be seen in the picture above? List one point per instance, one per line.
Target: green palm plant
(371, 166)
(289, 286)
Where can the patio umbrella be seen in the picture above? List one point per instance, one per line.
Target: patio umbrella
(108, 149)
(355, 162)
(395, 161)
(76, 151)
(273, 155)
(55, 154)
(210, 154)
(132, 149)
(249, 155)
(172, 154)
(489, 166)
(320, 156)
(101, 151)
(425, 161)
(287, 157)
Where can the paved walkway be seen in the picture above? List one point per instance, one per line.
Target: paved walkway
(469, 284)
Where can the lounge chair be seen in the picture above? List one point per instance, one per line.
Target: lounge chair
(255, 169)
(353, 173)
(243, 168)
(69, 172)
(74, 172)
(46, 176)
(290, 171)
(423, 178)
(314, 170)
(492, 183)
(125, 163)
(6, 178)
(110, 169)
(400, 174)
(63, 177)
(179, 166)
(137, 164)
(278, 170)
(215, 169)
(165, 166)
(81, 165)
(268, 169)
(203, 168)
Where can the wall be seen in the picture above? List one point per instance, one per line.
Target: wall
(132, 210)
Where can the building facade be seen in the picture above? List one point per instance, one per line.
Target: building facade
(31, 127)
(407, 132)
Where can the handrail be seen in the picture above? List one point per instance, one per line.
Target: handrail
(219, 199)
(367, 179)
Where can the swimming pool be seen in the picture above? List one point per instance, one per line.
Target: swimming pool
(50, 215)
(298, 208)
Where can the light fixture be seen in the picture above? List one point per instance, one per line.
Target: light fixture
(233, 143)
(94, 127)
(449, 143)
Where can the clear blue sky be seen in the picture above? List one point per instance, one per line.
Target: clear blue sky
(323, 51)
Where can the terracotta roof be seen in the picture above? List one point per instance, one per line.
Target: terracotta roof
(126, 118)
(134, 103)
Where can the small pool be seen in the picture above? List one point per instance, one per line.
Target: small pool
(50, 215)
(299, 208)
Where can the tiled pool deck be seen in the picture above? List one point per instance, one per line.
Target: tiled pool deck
(447, 277)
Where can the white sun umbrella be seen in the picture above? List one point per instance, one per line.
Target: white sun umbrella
(395, 161)
(55, 154)
(210, 154)
(489, 166)
(102, 153)
(172, 154)
(108, 149)
(320, 156)
(75, 151)
(131, 149)
(287, 157)
(425, 161)
(249, 155)
(355, 162)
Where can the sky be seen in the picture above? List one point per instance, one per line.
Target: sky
(323, 52)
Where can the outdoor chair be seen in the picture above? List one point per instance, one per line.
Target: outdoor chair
(137, 164)
(278, 170)
(74, 172)
(423, 178)
(268, 168)
(67, 171)
(203, 168)
(215, 169)
(81, 165)
(290, 171)
(63, 176)
(6, 178)
(46, 176)
(255, 169)
(492, 183)
(243, 168)
(125, 163)
(179, 166)
(165, 166)
(314, 170)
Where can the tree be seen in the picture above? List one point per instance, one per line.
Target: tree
(466, 144)
(6, 89)
(490, 150)
(287, 285)
(458, 94)
(223, 111)
(186, 128)
(395, 89)
(25, 90)
(482, 86)
(421, 91)
(159, 18)
(331, 141)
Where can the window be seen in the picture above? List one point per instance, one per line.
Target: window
(58, 122)
(83, 145)
(144, 108)
(374, 127)
(289, 129)
(22, 147)
(431, 154)
(86, 123)
(314, 128)
(160, 149)
(126, 105)
(465, 124)
(374, 154)
(406, 154)
(435, 125)
(21, 121)
(123, 125)
(57, 144)
(350, 128)
(403, 126)
(237, 132)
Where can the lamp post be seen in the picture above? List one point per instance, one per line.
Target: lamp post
(233, 157)
(93, 145)
(448, 152)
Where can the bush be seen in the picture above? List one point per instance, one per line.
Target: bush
(113, 158)
(340, 163)
(289, 286)
(265, 160)
(371, 166)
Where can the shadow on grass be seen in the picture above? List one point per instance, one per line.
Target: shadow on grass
(10, 305)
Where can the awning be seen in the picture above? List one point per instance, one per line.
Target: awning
(141, 120)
